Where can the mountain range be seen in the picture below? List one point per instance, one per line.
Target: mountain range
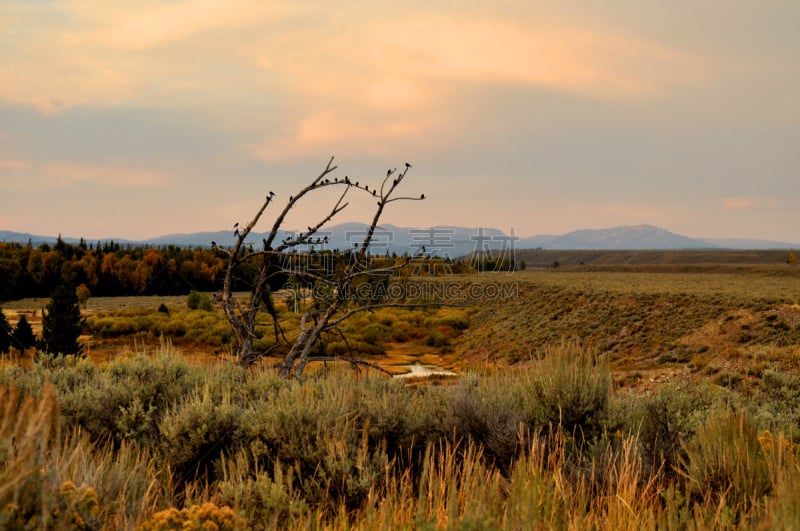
(453, 241)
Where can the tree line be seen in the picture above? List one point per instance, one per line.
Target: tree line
(110, 269)
(106, 269)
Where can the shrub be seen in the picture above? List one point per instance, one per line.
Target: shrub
(270, 499)
(568, 388)
(726, 465)
(374, 333)
(197, 300)
(319, 429)
(195, 518)
(196, 432)
(126, 400)
(663, 421)
(571, 387)
(436, 339)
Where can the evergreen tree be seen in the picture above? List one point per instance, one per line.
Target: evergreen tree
(23, 338)
(5, 333)
(62, 323)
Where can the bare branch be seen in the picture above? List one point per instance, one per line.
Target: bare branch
(294, 199)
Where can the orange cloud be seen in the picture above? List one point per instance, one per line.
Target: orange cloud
(739, 203)
(350, 77)
(754, 202)
(591, 61)
(68, 173)
(13, 165)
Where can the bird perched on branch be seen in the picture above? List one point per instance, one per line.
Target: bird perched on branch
(408, 165)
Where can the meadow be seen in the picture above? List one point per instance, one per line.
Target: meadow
(657, 397)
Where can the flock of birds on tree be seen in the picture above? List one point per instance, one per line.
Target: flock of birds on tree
(305, 238)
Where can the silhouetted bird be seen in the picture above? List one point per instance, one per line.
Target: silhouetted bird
(422, 196)
(336, 180)
(236, 225)
(408, 165)
(213, 243)
(388, 172)
(271, 193)
(394, 183)
(373, 193)
(290, 198)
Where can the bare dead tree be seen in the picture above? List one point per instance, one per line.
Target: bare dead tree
(327, 312)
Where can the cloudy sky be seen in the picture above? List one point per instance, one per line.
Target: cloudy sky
(134, 119)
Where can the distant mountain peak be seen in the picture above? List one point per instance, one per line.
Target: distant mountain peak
(626, 237)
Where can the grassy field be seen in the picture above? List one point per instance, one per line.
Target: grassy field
(153, 442)
(623, 398)
(663, 259)
(650, 324)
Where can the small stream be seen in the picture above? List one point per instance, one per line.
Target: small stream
(419, 370)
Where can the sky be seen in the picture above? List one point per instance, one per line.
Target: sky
(135, 119)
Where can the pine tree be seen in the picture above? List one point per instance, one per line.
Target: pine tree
(23, 338)
(62, 323)
(5, 333)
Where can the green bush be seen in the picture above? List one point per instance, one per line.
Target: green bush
(568, 387)
(316, 428)
(271, 499)
(197, 300)
(374, 333)
(663, 422)
(196, 432)
(436, 339)
(127, 399)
